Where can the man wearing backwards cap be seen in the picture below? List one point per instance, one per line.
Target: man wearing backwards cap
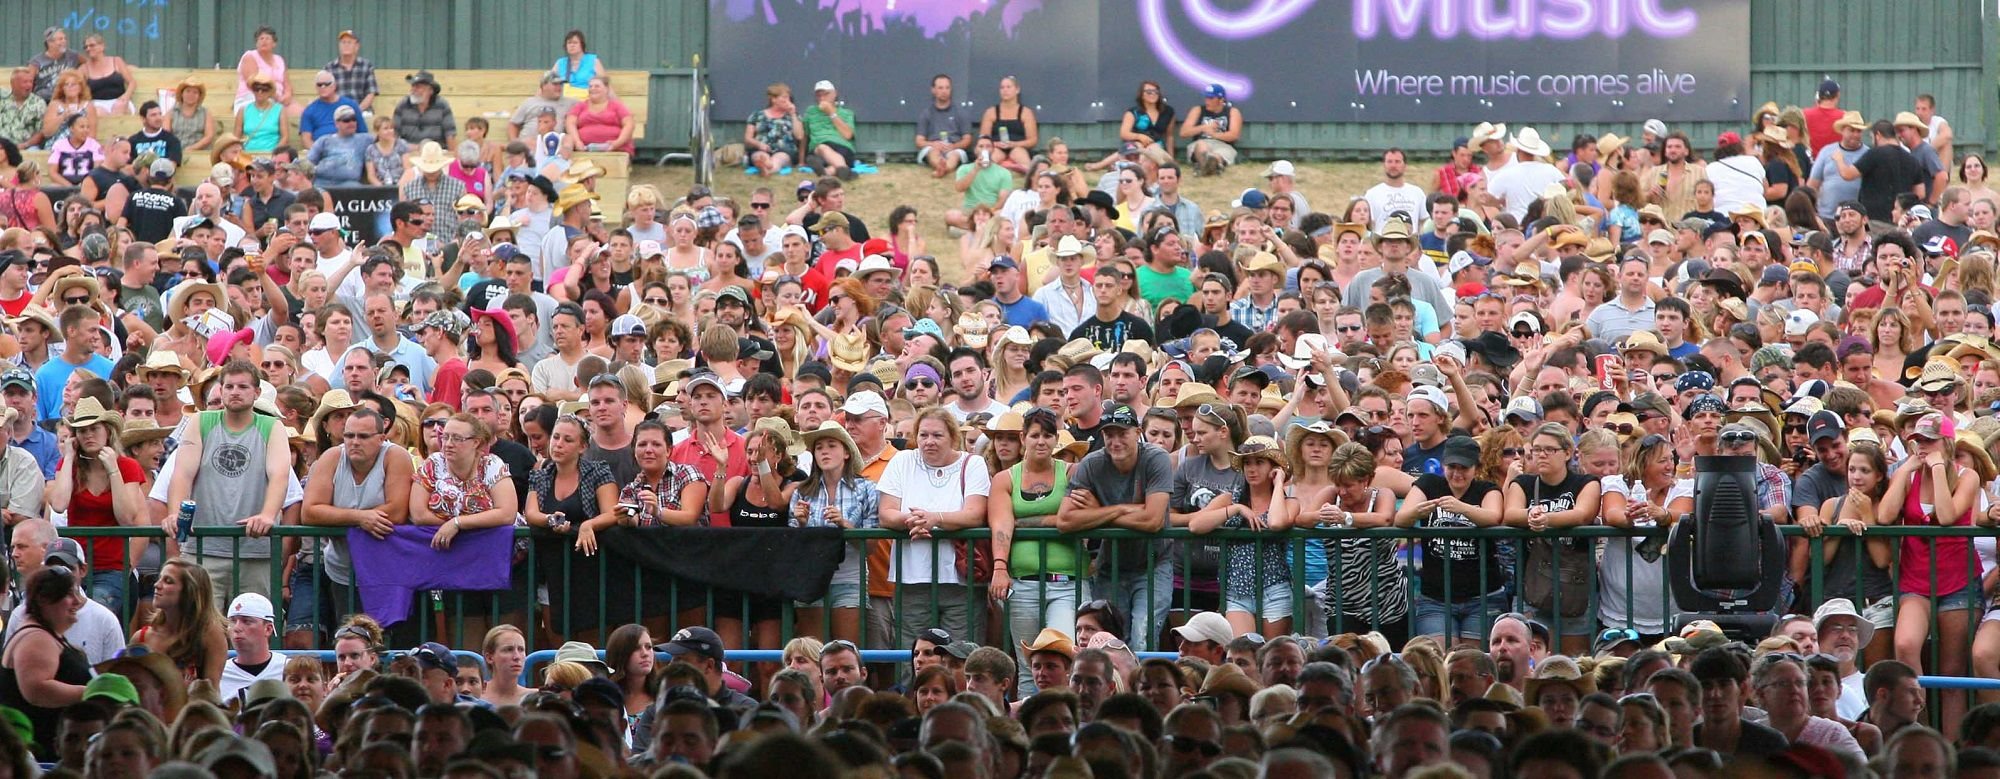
(251, 623)
(1125, 485)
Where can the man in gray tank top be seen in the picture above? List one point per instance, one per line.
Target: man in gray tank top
(234, 464)
(364, 483)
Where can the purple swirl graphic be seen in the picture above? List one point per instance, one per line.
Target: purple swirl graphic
(1261, 18)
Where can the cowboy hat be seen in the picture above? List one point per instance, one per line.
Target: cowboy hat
(848, 351)
(1558, 670)
(1069, 444)
(139, 431)
(1262, 446)
(669, 371)
(1050, 640)
(333, 400)
(38, 315)
(1644, 341)
(1937, 375)
(1530, 141)
(1195, 393)
(972, 329)
(1295, 437)
(86, 281)
(1078, 351)
(177, 304)
(1750, 211)
(833, 430)
(1488, 131)
(1910, 120)
(782, 430)
(583, 170)
(572, 196)
(1850, 119)
(164, 361)
(1609, 143)
(90, 412)
(1974, 445)
(1009, 421)
(1775, 134)
(430, 158)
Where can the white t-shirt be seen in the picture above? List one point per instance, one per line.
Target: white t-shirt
(235, 679)
(96, 631)
(1738, 181)
(993, 407)
(1522, 183)
(350, 286)
(1853, 703)
(921, 486)
(552, 373)
(1384, 200)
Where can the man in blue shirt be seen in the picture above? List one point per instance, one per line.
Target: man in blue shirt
(79, 327)
(317, 119)
(17, 387)
(1018, 308)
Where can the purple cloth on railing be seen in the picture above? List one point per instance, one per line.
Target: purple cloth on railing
(388, 570)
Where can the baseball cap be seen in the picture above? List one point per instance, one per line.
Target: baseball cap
(1524, 407)
(823, 85)
(1435, 396)
(1773, 274)
(1206, 626)
(1461, 450)
(749, 349)
(162, 170)
(733, 292)
(629, 324)
(1659, 236)
(322, 222)
(1002, 262)
(703, 379)
(1800, 321)
(433, 656)
(1822, 425)
(254, 606)
(698, 640)
(1118, 415)
(865, 402)
(1829, 88)
(1254, 198)
(925, 326)
(17, 376)
(1214, 90)
(65, 551)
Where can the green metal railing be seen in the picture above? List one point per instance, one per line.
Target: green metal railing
(656, 594)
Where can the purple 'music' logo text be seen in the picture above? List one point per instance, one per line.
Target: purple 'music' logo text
(1560, 19)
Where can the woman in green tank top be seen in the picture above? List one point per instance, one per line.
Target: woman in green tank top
(1037, 580)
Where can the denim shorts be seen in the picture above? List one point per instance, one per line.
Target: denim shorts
(1968, 598)
(839, 595)
(1277, 602)
(1467, 619)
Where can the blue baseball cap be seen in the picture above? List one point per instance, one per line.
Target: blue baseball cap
(925, 326)
(1214, 90)
(1698, 381)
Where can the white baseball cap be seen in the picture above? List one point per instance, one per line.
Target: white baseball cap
(865, 402)
(254, 606)
(324, 220)
(1800, 321)
(823, 85)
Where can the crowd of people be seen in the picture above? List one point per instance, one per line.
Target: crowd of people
(1815, 291)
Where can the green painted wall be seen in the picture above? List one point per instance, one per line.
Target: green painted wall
(1939, 47)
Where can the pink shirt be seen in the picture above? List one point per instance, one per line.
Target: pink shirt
(474, 180)
(275, 70)
(601, 126)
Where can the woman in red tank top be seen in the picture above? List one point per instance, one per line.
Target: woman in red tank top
(1930, 488)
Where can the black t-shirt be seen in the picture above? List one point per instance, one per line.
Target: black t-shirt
(1553, 497)
(1093, 434)
(1235, 332)
(487, 295)
(1461, 556)
(150, 213)
(1777, 172)
(1712, 217)
(1887, 170)
(1111, 336)
(520, 461)
(166, 145)
(262, 211)
(106, 178)
(1959, 234)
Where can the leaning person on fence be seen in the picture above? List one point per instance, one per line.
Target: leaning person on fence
(936, 486)
(363, 483)
(834, 494)
(1456, 608)
(1549, 496)
(235, 465)
(1125, 486)
(1931, 488)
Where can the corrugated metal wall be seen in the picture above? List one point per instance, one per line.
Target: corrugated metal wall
(1882, 59)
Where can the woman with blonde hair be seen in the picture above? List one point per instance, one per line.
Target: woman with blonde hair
(96, 485)
(1893, 339)
(70, 97)
(989, 238)
(23, 204)
(562, 679)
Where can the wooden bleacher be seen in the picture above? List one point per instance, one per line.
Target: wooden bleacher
(493, 94)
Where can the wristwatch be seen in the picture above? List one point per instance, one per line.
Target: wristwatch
(1347, 519)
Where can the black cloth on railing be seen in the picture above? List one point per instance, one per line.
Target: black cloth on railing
(639, 566)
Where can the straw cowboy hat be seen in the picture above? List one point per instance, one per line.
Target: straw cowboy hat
(166, 361)
(972, 329)
(1195, 393)
(89, 412)
(1262, 447)
(139, 431)
(584, 170)
(1974, 445)
(1938, 375)
(1009, 421)
(177, 306)
(1910, 120)
(39, 315)
(84, 280)
(1851, 119)
(1069, 444)
(1609, 143)
(1489, 131)
(1295, 437)
(848, 351)
(333, 400)
(833, 430)
(783, 431)
(430, 158)
(1775, 134)
(1078, 351)
(1556, 671)
(572, 196)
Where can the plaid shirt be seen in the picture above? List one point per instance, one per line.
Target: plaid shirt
(443, 196)
(668, 489)
(356, 82)
(860, 505)
(1246, 312)
(1850, 256)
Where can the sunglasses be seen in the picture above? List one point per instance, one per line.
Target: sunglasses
(468, 211)
(1511, 451)
(1738, 437)
(919, 382)
(1187, 745)
(322, 83)
(1524, 334)
(431, 424)
(756, 206)
(77, 301)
